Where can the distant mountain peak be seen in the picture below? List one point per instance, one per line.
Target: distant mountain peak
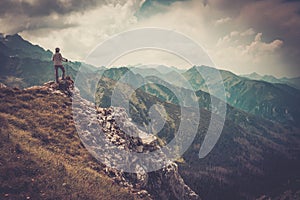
(16, 40)
(22, 48)
(255, 74)
(292, 82)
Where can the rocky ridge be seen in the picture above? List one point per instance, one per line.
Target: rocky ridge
(117, 128)
(114, 123)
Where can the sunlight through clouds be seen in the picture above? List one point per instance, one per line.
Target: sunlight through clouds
(239, 36)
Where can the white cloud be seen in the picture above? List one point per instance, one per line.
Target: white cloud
(255, 55)
(91, 28)
(235, 37)
(259, 48)
(223, 20)
(248, 32)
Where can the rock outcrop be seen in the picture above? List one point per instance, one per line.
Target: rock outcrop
(106, 132)
(2, 85)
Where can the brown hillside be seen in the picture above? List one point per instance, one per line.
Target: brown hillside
(41, 156)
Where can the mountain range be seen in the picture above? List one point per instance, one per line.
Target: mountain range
(276, 102)
(249, 146)
(256, 157)
(293, 82)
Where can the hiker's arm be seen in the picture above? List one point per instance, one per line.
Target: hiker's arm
(64, 59)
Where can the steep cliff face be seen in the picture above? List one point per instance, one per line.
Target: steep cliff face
(41, 129)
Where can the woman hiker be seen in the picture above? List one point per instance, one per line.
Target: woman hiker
(57, 60)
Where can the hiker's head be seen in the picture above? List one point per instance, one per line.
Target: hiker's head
(57, 50)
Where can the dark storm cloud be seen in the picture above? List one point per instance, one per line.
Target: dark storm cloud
(44, 7)
(23, 15)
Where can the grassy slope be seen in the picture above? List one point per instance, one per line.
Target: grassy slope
(41, 156)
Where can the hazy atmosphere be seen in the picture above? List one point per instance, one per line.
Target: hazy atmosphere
(240, 36)
(121, 99)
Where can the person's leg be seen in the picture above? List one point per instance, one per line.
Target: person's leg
(63, 72)
(56, 73)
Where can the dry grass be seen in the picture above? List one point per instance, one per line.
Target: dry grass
(41, 155)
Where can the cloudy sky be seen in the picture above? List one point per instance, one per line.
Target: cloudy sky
(242, 36)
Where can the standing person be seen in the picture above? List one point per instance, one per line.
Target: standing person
(57, 60)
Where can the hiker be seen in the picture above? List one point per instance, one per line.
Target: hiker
(58, 59)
